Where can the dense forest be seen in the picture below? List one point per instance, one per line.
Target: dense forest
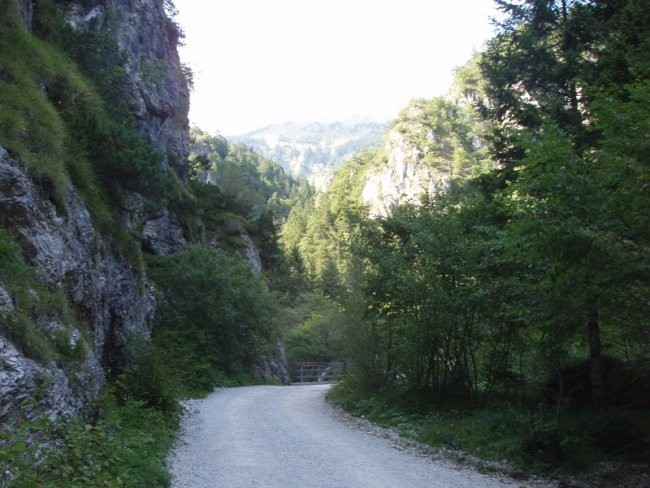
(502, 311)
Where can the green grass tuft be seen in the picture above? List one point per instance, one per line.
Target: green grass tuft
(32, 298)
(126, 446)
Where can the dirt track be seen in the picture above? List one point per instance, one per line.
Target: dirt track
(289, 437)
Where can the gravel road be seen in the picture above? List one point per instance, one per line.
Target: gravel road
(289, 437)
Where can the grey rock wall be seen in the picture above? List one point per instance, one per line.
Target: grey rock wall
(159, 94)
(104, 287)
(402, 179)
(273, 366)
(110, 294)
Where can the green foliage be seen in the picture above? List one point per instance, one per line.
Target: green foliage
(447, 132)
(525, 437)
(251, 184)
(520, 295)
(213, 313)
(144, 378)
(517, 299)
(316, 332)
(318, 232)
(121, 156)
(126, 446)
(31, 125)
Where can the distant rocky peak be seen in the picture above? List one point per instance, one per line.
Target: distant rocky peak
(313, 150)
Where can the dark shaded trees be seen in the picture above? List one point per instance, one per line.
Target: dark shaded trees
(550, 73)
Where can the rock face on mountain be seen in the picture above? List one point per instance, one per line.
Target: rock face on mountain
(147, 39)
(404, 178)
(157, 88)
(431, 143)
(109, 292)
(105, 288)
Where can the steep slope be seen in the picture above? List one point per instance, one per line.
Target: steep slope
(75, 195)
(431, 143)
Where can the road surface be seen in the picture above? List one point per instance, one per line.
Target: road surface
(289, 437)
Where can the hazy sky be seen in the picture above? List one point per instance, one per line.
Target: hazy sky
(258, 62)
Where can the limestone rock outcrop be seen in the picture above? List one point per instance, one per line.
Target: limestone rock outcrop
(404, 178)
(106, 289)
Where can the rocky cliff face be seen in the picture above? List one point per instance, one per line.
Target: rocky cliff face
(431, 143)
(404, 178)
(159, 95)
(107, 291)
(112, 300)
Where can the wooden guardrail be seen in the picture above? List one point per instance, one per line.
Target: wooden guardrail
(315, 372)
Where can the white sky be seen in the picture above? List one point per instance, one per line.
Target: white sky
(258, 62)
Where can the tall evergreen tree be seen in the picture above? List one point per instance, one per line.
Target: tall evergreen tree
(549, 70)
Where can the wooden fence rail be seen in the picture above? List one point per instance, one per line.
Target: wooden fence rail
(317, 372)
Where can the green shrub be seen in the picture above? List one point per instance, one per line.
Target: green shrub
(144, 378)
(213, 313)
(126, 446)
(120, 155)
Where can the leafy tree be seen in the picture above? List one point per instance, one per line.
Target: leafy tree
(316, 331)
(545, 72)
(213, 314)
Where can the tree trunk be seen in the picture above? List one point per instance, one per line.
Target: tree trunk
(595, 356)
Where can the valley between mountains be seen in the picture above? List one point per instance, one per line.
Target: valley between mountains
(474, 272)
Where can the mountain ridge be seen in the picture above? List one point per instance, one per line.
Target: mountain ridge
(313, 149)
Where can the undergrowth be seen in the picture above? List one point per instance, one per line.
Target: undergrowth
(527, 439)
(122, 440)
(125, 446)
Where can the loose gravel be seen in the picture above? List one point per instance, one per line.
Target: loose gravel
(289, 437)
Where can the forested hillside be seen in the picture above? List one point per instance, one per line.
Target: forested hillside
(506, 311)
